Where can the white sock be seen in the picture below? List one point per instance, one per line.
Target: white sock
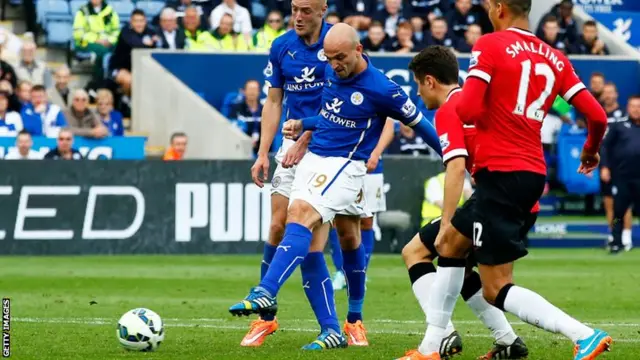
(610, 238)
(537, 311)
(446, 288)
(626, 237)
(422, 289)
(493, 318)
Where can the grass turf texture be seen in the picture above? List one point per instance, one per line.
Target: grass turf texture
(52, 317)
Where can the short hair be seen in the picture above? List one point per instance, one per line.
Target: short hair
(517, 7)
(138, 12)
(437, 61)
(333, 14)
(634, 97)
(81, 93)
(38, 88)
(551, 18)
(168, 13)
(610, 83)
(22, 83)
(376, 23)
(177, 135)
(250, 81)
(104, 94)
(5, 94)
(277, 12)
(597, 74)
(590, 23)
(24, 132)
(439, 18)
(405, 25)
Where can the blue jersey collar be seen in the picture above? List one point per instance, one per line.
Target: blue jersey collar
(324, 29)
(337, 79)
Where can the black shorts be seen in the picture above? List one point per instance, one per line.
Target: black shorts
(606, 189)
(429, 232)
(498, 218)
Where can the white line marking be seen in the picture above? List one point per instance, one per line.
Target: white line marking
(111, 322)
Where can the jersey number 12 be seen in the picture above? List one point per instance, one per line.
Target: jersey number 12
(534, 111)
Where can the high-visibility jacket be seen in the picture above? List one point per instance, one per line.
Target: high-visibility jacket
(431, 211)
(89, 26)
(230, 42)
(263, 39)
(200, 40)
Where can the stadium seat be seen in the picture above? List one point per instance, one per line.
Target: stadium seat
(258, 10)
(150, 8)
(75, 5)
(59, 32)
(52, 10)
(123, 9)
(570, 144)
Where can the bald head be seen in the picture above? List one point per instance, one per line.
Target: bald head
(343, 36)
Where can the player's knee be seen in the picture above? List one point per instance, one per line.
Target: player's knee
(489, 293)
(349, 240)
(366, 223)
(276, 232)
(414, 252)
(451, 244)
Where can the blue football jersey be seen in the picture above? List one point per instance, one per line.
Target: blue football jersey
(354, 112)
(299, 70)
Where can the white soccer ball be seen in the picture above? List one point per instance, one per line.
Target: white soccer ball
(140, 329)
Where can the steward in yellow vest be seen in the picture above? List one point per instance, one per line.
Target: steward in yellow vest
(433, 195)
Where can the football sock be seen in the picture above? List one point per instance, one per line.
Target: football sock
(368, 241)
(354, 268)
(445, 291)
(537, 311)
(317, 286)
(289, 254)
(422, 276)
(336, 252)
(490, 315)
(626, 237)
(267, 256)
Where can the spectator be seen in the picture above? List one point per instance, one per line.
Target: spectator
(10, 121)
(425, 10)
(283, 6)
(357, 13)
(568, 26)
(418, 28)
(550, 34)
(589, 43)
(273, 27)
(110, 118)
(248, 113)
(390, 16)
(64, 150)
(180, 9)
(31, 69)
(439, 34)
(197, 39)
(332, 18)
(474, 32)
(226, 40)
(461, 17)
(95, 29)
(240, 18)
(404, 42)
(611, 105)
(177, 148)
(136, 35)
(41, 118)
(14, 103)
(8, 73)
(23, 93)
(23, 149)
(408, 143)
(60, 94)
(375, 39)
(82, 120)
(596, 85)
(169, 37)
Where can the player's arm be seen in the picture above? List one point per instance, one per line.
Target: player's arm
(481, 70)
(271, 113)
(386, 138)
(587, 104)
(453, 186)
(395, 102)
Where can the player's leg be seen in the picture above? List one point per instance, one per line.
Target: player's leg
(503, 204)
(354, 268)
(267, 324)
(375, 203)
(607, 204)
(338, 282)
(621, 202)
(368, 237)
(627, 238)
(317, 286)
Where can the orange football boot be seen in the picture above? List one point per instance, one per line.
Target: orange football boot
(416, 355)
(259, 331)
(356, 334)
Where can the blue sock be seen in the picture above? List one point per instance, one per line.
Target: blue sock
(317, 286)
(267, 256)
(290, 253)
(336, 252)
(355, 264)
(368, 240)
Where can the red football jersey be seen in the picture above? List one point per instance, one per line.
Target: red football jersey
(456, 139)
(525, 75)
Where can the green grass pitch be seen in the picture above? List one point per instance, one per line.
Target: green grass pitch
(52, 317)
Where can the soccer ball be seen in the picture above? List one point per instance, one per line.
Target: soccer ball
(140, 329)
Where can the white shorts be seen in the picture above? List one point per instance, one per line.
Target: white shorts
(374, 193)
(283, 178)
(331, 185)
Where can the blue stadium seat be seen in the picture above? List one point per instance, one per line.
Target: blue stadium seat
(570, 142)
(230, 99)
(59, 32)
(150, 8)
(123, 9)
(55, 10)
(258, 10)
(75, 5)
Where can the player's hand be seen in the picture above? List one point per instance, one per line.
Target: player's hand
(372, 163)
(605, 175)
(294, 154)
(260, 170)
(588, 162)
(292, 129)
